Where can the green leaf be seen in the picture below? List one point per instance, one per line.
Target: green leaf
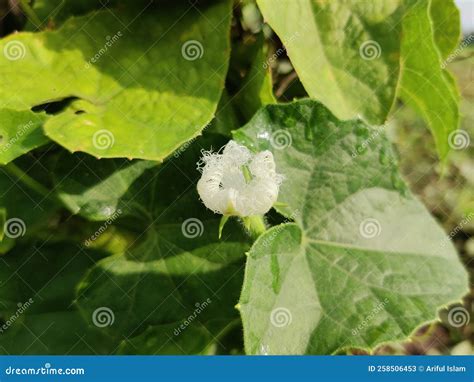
(170, 339)
(134, 100)
(26, 207)
(256, 88)
(363, 263)
(36, 308)
(446, 22)
(425, 85)
(20, 132)
(47, 13)
(96, 189)
(345, 53)
(225, 120)
(165, 279)
(3, 219)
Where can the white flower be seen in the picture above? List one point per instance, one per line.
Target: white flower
(236, 182)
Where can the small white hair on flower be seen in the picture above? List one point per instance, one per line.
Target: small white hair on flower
(236, 182)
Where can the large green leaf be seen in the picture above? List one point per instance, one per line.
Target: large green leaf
(145, 81)
(346, 53)
(363, 263)
(425, 84)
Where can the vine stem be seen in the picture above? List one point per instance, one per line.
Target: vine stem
(30, 13)
(27, 180)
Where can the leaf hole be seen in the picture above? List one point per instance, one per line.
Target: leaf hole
(53, 107)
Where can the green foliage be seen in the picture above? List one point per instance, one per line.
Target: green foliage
(20, 133)
(425, 84)
(106, 109)
(354, 64)
(311, 284)
(133, 95)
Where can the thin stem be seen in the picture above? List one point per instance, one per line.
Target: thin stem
(30, 13)
(27, 180)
